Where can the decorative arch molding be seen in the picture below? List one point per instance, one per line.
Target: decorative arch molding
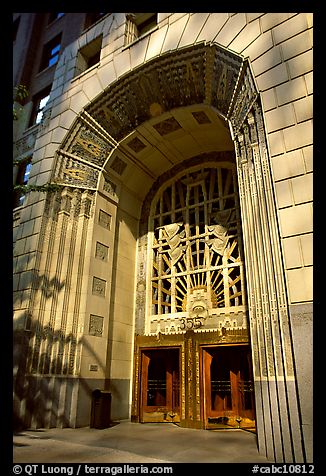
(201, 74)
(210, 74)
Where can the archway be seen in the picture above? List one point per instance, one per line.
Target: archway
(118, 147)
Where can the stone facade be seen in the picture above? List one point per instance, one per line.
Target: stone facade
(198, 87)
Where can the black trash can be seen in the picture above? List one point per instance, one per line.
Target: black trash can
(101, 409)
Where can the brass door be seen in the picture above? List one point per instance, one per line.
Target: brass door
(228, 387)
(160, 394)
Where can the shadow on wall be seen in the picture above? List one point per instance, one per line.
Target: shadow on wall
(46, 366)
(47, 344)
(46, 383)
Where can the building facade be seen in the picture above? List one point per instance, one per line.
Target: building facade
(173, 264)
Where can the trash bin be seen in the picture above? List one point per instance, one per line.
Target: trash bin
(101, 409)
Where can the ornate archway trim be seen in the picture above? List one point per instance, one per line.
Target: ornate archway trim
(211, 75)
(201, 74)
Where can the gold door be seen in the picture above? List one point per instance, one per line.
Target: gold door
(228, 387)
(160, 394)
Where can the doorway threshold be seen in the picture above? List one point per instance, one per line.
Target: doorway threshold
(220, 427)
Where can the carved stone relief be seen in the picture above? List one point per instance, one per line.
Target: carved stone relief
(118, 165)
(245, 97)
(99, 286)
(167, 126)
(141, 285)
(71, 171)
(54, 344)
(198, 74)
(110, 187)
(226, 67)
(101, 251)
(136, 145)
(26, 143)
(104, 219)
(268, 308)
(95, 325)
(201, 117)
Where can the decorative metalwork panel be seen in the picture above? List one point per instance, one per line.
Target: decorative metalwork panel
(197, 275)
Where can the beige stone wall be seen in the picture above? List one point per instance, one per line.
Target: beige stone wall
(279, 46)
(283, 70)
(98, 290)
(122, 305)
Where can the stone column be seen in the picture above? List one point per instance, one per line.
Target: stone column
(56, 310)
(277, 412)
(190, 415)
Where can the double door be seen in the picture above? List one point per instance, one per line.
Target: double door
(224, 386)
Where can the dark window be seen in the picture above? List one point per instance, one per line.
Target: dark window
(24, 169)
(55, 16)
(92, 18)
(138, 24)
(145, 22)
(15, 28)
(51, 52)
(89, 55)
(39, 102)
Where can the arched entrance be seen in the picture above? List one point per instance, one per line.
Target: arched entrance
(196, 297)
(197, 102)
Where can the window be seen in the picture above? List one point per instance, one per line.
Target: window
(145, 22)
(51, 53)
(89, 55)
(24, 169)
(55, 16)
(138, 24)
(39, 102)
(15, 28)
(92, 18)
(196, 258)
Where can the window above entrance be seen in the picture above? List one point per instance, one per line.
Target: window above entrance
(196, 259)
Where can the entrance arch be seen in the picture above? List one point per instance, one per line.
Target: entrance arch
(118, 147)
(194, 293)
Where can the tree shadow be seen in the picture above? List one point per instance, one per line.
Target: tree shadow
(46, 382)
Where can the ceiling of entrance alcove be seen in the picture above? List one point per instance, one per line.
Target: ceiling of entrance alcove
(153, 118)
(164, 141)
